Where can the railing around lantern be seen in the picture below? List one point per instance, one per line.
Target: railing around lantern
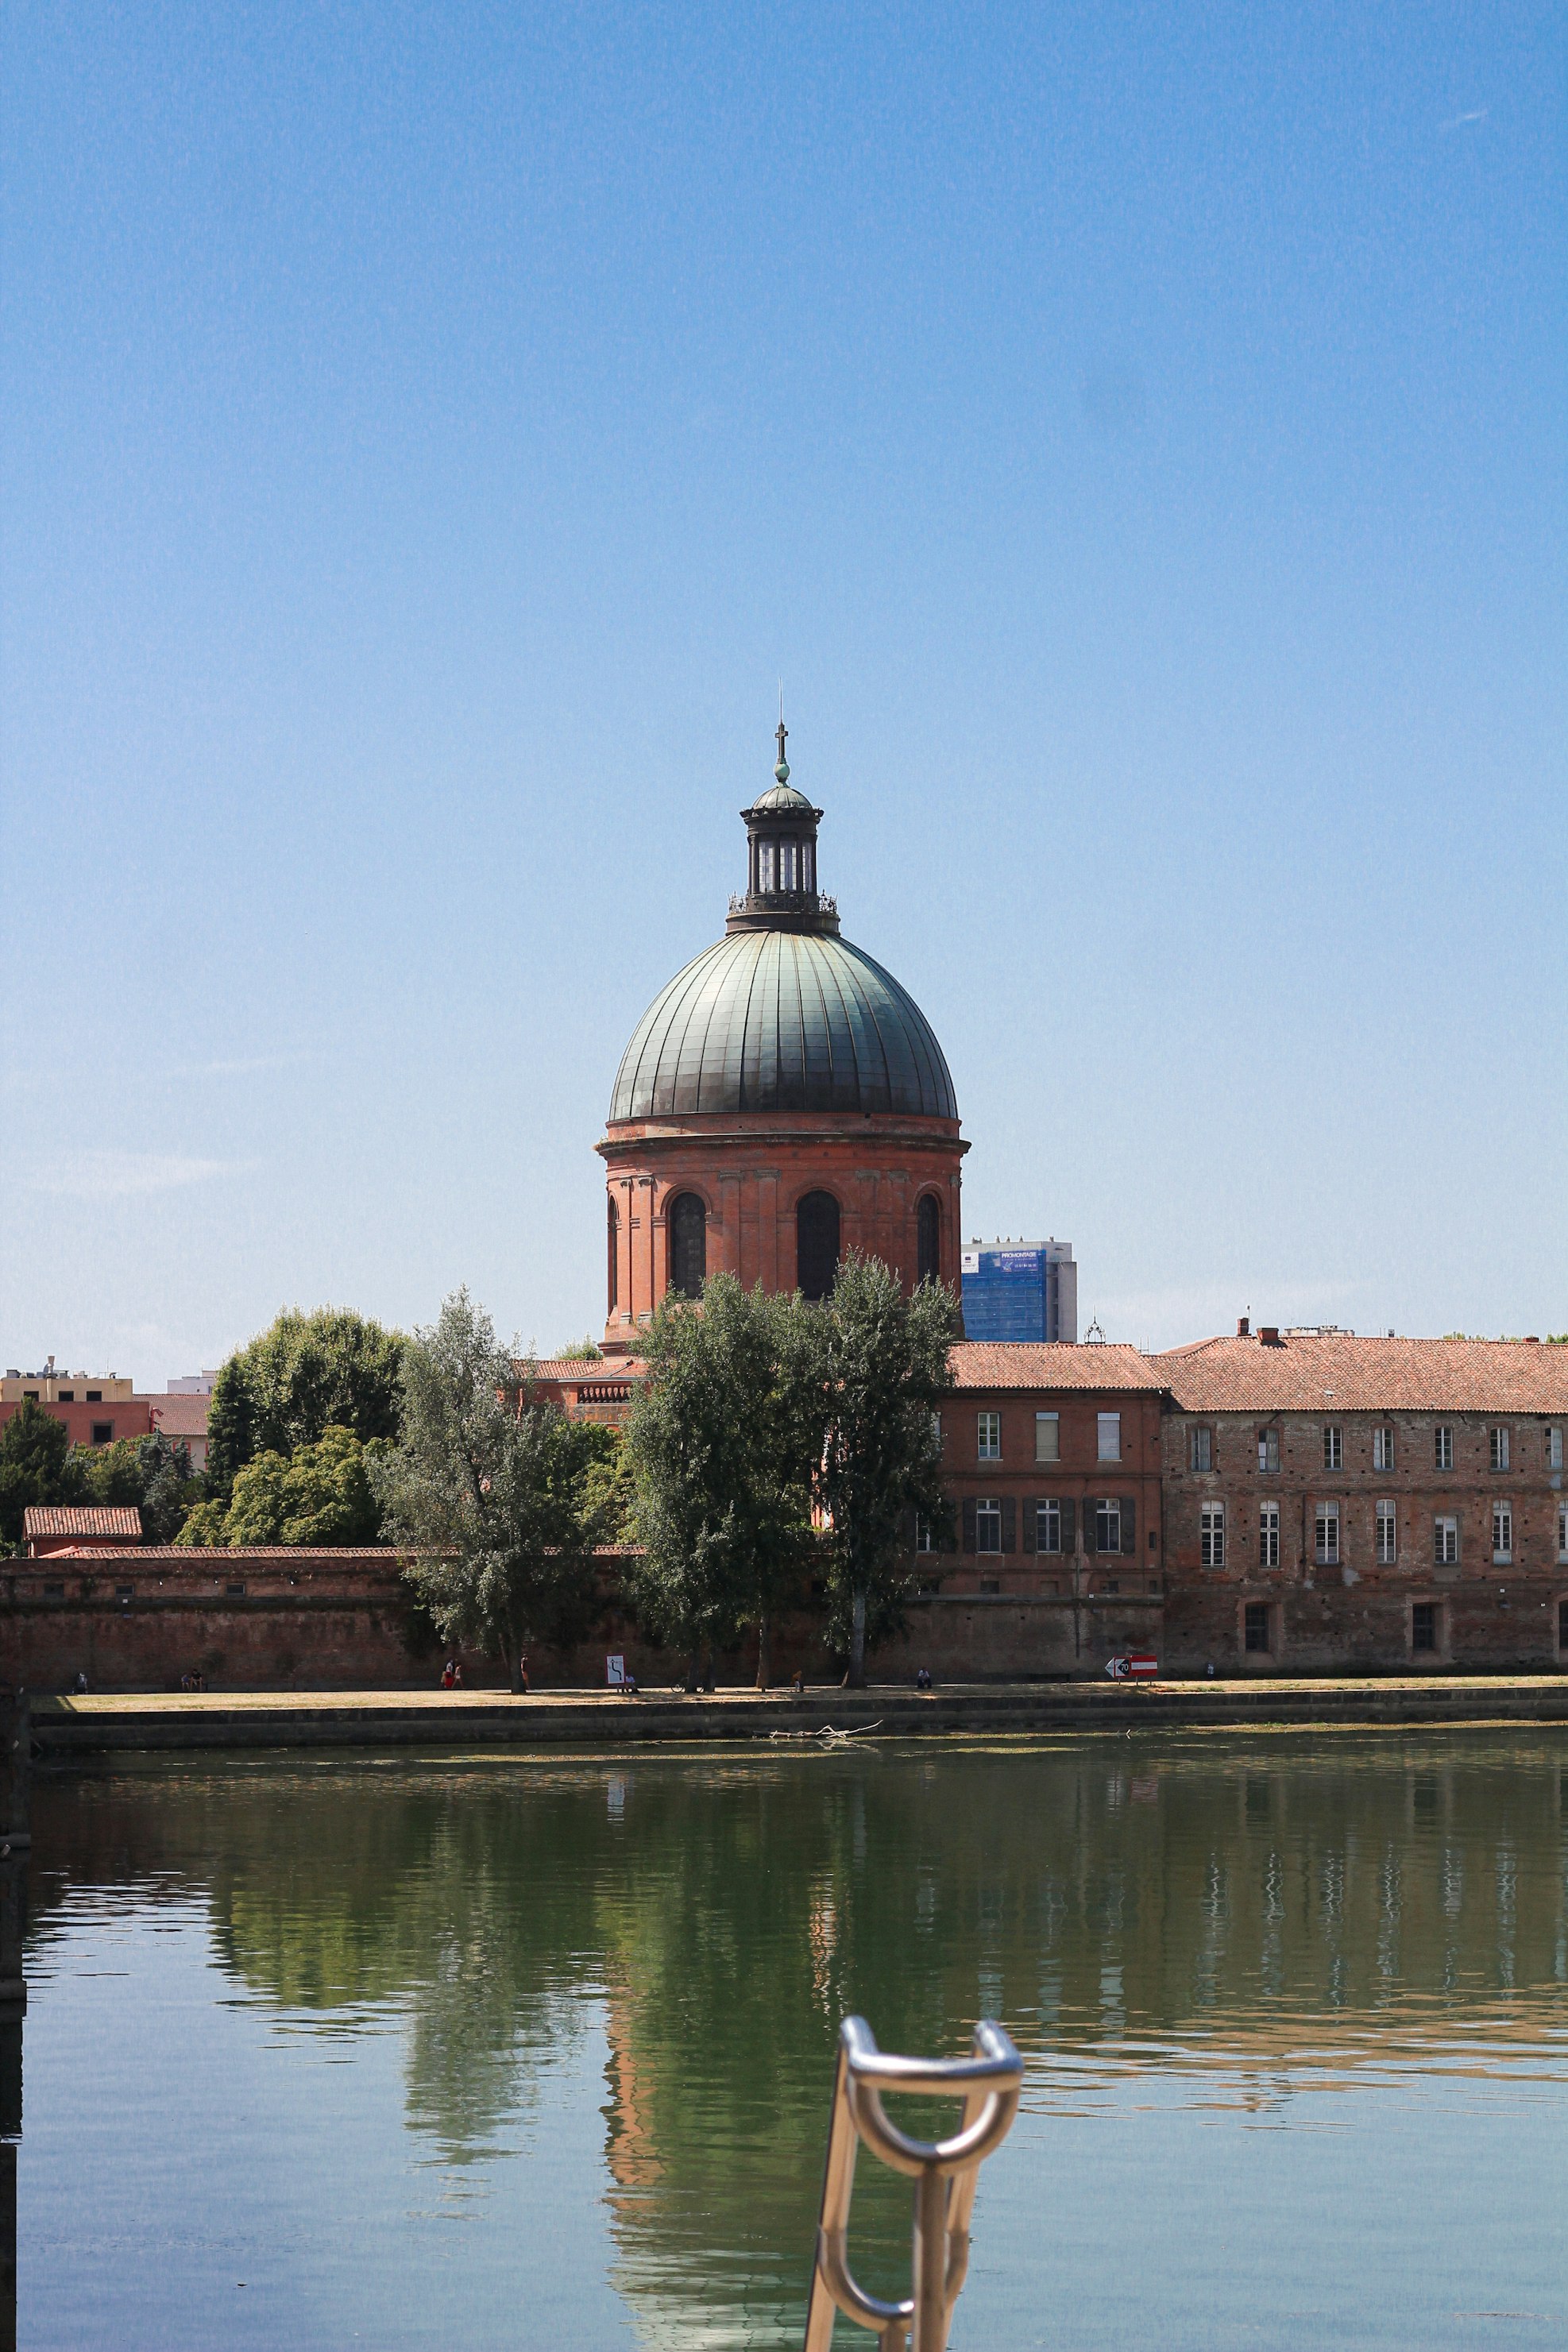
(945, 2172)
(793, 902)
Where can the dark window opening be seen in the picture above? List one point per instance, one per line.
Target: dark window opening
(613, 1241)
(125, 1592)
(66, 1396)
(928, 1239)
(95, 1396)
(816, 1245)
(1255, 1627)
(54, 1592)
(103, 1433)
(990, 1584)
(1562, 1625)
(1424, 1625)
(687, 1245)
(234, 1590)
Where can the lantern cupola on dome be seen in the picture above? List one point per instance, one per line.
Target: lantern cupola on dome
(781, 861)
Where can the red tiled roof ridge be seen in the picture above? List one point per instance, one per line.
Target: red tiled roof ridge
(1052, 1363)
(1366, 1373)
(81, 1519)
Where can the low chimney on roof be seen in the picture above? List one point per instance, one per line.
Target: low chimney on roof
(1269, 1334)
(1243, 1326)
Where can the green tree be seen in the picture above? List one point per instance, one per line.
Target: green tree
(487, 1488)
(725, 1434)
(321, 1495)
(152, 1475)
(883, 1359)
(306, 1374)
(34, 1467)
(204, 1524)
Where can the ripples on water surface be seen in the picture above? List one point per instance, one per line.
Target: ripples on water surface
(506, 2052)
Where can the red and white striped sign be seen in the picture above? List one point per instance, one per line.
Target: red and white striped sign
(1138, 1665)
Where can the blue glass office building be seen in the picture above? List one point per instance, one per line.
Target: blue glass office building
(1018, 1290)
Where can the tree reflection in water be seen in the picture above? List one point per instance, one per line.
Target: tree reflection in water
(1266, 1908)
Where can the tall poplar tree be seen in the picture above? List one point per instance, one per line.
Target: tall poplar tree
(882, 1359)
(489, 1491)
(725, 1436)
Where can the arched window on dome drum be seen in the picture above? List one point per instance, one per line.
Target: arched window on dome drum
(614, 1243)
(816, 1244)
(688, 1221)
(928, 1239)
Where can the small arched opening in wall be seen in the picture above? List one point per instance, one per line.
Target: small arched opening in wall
(928, 1239)
(613, 1253)
(687, 1218)
(816, 1244)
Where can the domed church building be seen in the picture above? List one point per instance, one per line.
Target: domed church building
(781, 1101)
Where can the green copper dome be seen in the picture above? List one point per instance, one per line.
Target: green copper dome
(781, 1020)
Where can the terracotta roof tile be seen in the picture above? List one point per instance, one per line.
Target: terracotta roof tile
(179, 1416)
(578, 1369)
(1303, 1375)
(1052, 1364)
(81, 1519)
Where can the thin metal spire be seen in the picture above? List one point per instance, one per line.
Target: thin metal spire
(781, 770)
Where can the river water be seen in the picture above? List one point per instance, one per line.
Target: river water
(499, 2052)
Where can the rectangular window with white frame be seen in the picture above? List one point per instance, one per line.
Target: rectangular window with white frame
(1334, 1446)
(989, 1428)
(1502, 1534)
(1497, 1448)
(1268, 1535)
(1108, 1525)
(1211, 1536)
(923, 1538)
(1203, 1449)
(1109, 1426)
(1326, 1535)
(1387, 1526)
(1268, 1450)
(1554, 1449)
(1562, 1530)
(1047, 1525)
(1446, 1542)
(1443, 1446)
(1383, 1448)
(988, 1526)
(1047, 1437)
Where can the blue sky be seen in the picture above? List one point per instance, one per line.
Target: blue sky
(1135, 435)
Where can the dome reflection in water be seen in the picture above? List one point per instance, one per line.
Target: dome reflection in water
(547, 2045)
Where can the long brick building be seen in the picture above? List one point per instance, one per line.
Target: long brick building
(1334, 1502)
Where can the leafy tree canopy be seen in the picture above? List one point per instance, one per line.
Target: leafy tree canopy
(152, 1475)
(321, 1495)
(724, 1435)
(883, 1360)
(489, 1491)
(33, 1450)
(309, 1373)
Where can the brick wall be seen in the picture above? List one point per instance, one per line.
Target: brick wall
(750, 1172)
(1355, 1610)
